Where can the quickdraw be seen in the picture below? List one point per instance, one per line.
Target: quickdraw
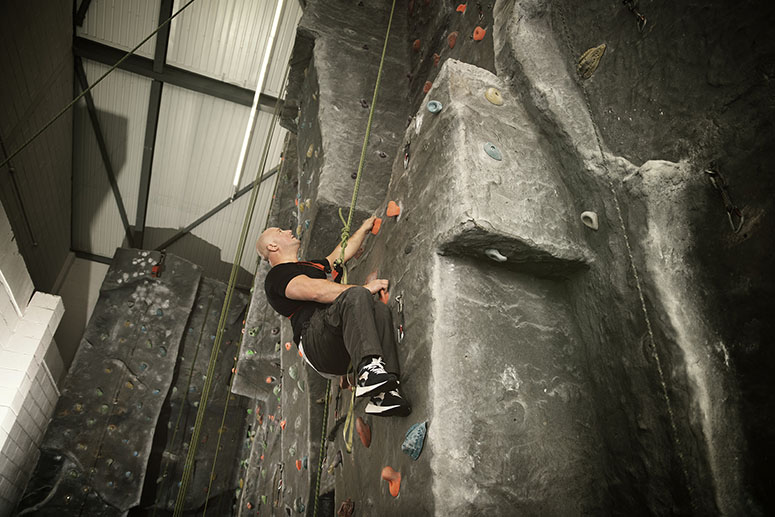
(734, 214)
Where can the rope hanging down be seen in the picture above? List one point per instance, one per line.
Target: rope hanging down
(188, 468)
(348, 222)
(95, 83)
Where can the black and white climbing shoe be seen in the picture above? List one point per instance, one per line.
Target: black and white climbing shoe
(373, 379)
(388, 404)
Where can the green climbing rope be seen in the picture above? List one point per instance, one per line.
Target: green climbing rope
(348, 222)
(95, 83)
(189, 464)
(321, 454)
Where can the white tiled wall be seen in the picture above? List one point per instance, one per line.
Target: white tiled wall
(28, 393)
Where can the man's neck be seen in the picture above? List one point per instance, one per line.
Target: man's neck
(284, 260)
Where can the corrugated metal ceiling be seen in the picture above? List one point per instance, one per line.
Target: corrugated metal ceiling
(199, 136)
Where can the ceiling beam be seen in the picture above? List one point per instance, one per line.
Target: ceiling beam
(108, 55)
(80, 16)
(220, 206)
(81, 74)
(152, 123)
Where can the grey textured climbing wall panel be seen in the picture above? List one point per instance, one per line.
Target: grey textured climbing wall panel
(175, 429)
(97, 445)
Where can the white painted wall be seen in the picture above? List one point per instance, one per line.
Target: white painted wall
(28, 392)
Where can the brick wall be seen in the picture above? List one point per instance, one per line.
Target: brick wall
(28, 392)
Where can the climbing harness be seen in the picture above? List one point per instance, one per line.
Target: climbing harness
(633, 268)
(734, 214)
(95, 83)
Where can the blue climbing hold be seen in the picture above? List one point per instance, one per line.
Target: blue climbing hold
(434, 106)
(493, 151)
(414, 440)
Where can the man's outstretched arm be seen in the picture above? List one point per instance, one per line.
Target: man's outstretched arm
(353, 243)
(304, 288)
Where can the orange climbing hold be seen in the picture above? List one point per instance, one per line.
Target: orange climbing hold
(462, 8)
(364, 431)
(427, 87)
(298, 465)
(300, 354)
(288, 345)
(269, 380)
(393, 478)
(282, 424)
(479, 33)
(375, 227)
(416, 45)
(384, 296)
(452, 39)
(393, 209)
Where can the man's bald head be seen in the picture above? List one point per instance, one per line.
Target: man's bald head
(276, 244)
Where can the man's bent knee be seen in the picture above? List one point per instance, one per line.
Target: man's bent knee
(356, 295)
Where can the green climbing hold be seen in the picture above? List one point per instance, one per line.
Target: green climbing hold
(276, 390)
(492, 151)
(250, 411)
(293, 371)
(99, 392)
(263, 499)
(250, 353)
(292, 450)
(253, 331)
(277, 347)
(301, 385)
(414, 440)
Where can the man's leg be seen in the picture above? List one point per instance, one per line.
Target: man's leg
(383, 320)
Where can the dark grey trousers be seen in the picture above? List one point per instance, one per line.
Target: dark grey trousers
(355, 325)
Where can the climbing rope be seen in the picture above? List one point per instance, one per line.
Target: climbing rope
(321, 454)
(348, 222)
(95, 83)
(634, 269)
(188, 468)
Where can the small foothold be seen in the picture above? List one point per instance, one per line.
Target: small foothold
(382, 154)
(100, 392)
(414, 440)
(354, 175)
(159, 312)
(263, 498)
(427, 87)
(269, 380)
(299, 502)
(277, 390)
(436, 59)
(364, 431)
(364, 104)
(288, 345)
(589, 219)
(310, 151)
(301, 385)
(393, 478)
(492, 151)
(304, 462)
(275, 331)
(250, 353)
(494, 96)
(375, 227)
(589, 61)
(495, 255)
(479, 33)
(452, 39)
(393, 209)
(434, 106)
(409, 248)
(293, 372)
(346, 509)
(416, 45)
(162, 351)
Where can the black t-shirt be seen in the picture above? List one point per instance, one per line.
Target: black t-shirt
(277, 280)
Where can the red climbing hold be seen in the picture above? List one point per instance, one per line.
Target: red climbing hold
(436, 59)
(269, 380)
(375, 227)
(451, 39)
(283, 424)
(384, 296)
(416, 45)
(393, 209)
(288, 345)
(461, 8)
(298, 465)
(300, 354)
(427, 87)
(364, 431)
(479, 33)
(393, 478)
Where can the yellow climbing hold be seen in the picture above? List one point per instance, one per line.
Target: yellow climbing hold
(589, 61)
(494, 95)
(310, 151)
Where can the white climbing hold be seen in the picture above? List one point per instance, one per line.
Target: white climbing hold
(495, 255)
(589, 219)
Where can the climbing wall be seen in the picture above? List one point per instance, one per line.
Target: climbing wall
(97, 446)
(558, 326)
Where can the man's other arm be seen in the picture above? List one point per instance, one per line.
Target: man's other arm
(353, 243)
(304, 288)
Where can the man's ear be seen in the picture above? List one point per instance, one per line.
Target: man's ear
(272, 246)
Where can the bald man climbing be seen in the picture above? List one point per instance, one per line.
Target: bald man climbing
(335, 325)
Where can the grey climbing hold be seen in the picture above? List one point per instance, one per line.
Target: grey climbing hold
(300, 505)
(301, 385)
(492, 151)
(292, 450)
(434, 106)
(589, 219)
(253, 331)
(293, 371)
(495, 255)
(414, 440)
